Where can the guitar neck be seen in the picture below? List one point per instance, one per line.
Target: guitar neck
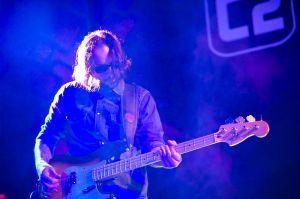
(195, 144)
(115, 168)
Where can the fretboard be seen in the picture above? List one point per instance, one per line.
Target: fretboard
(115, 168)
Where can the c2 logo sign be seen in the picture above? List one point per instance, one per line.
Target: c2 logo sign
(239, 26)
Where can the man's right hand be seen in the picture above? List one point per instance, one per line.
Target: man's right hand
(50, 179)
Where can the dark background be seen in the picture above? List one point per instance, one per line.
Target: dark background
(195, 91)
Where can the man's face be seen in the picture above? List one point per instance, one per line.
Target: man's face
(101, 65)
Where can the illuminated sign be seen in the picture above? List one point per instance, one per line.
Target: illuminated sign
(240, 26)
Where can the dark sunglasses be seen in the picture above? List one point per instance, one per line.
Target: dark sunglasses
(102, 68)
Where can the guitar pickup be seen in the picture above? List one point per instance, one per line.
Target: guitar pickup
(88, 189)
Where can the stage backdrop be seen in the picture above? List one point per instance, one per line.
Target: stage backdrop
(204, 61)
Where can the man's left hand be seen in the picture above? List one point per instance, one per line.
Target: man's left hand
(170, 158)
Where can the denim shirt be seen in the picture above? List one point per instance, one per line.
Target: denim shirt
(85, 119)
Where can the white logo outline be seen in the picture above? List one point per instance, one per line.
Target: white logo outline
(252, 49)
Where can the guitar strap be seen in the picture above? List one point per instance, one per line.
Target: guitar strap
(129, 111)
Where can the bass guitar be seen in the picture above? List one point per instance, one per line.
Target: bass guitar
(84, 180)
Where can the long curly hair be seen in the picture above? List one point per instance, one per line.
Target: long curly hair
(82, 67)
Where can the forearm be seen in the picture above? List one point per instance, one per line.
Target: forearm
(42, 156)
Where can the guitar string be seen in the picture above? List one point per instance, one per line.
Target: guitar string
(137, 160)
(127, 163)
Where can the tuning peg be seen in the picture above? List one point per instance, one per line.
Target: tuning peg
(240, 119)
(250, 118)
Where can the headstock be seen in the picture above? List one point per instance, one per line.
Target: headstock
(236, 133)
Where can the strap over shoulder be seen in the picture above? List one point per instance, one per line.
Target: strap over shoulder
(129, 103)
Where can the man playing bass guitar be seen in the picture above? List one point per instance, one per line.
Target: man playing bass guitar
(100, 119)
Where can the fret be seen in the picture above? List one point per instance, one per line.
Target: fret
(132, 166)
(94, 174)
(188, 147)
(156, 157)
(105, 172)
(119, 167)
(152, 157)
(112, 168)
(115, 168)
(193, 143)
(146, 158)
(101, 173)
(124, 164)
(108, 169)
(136, 163)
(142, 159)
(127, 165)
(121, 170)
(149, 158)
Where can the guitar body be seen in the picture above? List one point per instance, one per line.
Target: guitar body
(77, 174)
(76, 181)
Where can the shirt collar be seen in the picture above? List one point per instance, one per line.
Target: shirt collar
(119, 89)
